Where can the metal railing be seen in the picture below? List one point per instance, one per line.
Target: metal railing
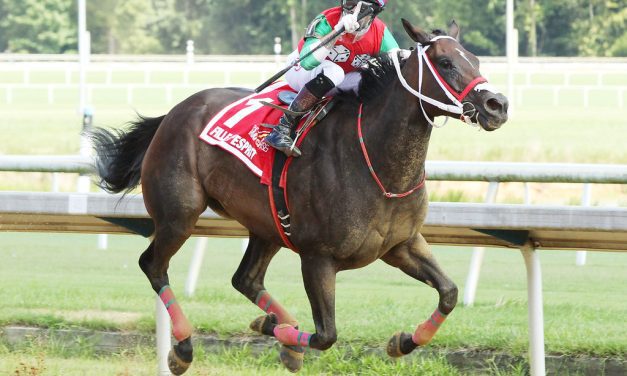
(522, 219)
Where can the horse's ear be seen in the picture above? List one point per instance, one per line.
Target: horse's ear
(453, 29)
(418, 35)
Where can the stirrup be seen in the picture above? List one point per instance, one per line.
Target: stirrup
(286, 110)
(283, 142)
(291, 151)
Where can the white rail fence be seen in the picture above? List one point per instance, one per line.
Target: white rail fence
(564, 81)
(527, 227)
(55, 93)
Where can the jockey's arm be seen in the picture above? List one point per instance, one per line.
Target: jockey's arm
(390, 46)
(318, 29)
(388, 43)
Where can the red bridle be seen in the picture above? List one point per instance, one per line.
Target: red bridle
(458, 95)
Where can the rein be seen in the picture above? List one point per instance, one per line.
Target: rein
(456, 107)
(374, 174)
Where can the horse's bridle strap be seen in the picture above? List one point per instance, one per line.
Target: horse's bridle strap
(445, 85)
(456, 107)
(471, 86)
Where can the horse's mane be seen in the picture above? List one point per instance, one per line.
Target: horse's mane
(376, 75)
(379, 72)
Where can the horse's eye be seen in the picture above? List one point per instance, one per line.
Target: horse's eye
(446, 64)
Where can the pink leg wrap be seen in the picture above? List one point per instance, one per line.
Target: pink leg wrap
(425, 331)
(181, 328)
(288, 335)
(269, 305)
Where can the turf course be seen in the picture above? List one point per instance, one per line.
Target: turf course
(62, 281)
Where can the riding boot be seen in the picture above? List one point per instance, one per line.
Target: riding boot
(306, 98)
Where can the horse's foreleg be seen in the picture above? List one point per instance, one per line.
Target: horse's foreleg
(319, 279)
(249, 280)
(250, 275)
(415, 259)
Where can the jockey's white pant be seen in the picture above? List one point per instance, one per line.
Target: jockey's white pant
(298, 77)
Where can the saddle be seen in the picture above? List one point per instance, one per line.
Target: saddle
(240, 129)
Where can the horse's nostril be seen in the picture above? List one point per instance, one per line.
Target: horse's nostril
(494, 105)
(497, 104)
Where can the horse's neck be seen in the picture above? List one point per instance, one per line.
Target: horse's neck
(396, 136)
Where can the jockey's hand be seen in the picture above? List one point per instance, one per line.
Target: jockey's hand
(349, 21)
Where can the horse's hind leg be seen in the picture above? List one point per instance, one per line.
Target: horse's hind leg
(415, 259)
(249, 280)
(174, 219)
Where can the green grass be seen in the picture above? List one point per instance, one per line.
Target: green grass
(61, 281)
(544, 134)
(52, 360)
(537, 132)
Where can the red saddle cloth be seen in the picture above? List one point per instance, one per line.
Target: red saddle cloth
(237, 129)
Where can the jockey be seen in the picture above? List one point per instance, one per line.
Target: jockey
(334, 65)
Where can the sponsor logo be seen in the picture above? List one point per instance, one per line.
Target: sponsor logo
(259, 136)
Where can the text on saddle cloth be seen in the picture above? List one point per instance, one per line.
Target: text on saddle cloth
(241, 127)
(238, 129)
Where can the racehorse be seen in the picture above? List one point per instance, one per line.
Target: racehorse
(344, 212)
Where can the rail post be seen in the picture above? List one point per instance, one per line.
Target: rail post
(194, 266)
(162, 328)
(535, 310)
(470, 289)
(585, 201)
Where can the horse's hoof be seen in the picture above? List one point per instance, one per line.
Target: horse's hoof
(400, 344)
(292, 357)
(264, 324)
(177, 365)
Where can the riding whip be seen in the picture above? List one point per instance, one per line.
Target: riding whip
(323, 42)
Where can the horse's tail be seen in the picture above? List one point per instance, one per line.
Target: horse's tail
(120, 153)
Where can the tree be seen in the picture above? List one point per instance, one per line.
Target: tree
(554, 27)
(244, 27)
(122, 26)
(178, 21)
(3, 34)
(546, 27)
(482, 23)
(603, 32)
(38, 26)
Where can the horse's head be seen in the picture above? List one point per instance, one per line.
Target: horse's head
(449, 81)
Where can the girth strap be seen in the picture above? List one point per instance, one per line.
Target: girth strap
(277, 194)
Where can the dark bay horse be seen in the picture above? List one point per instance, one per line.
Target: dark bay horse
(343, 214)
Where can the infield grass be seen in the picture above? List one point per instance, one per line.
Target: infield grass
(539, 134)
(534, 134)
(50, 360)
(62, 281)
